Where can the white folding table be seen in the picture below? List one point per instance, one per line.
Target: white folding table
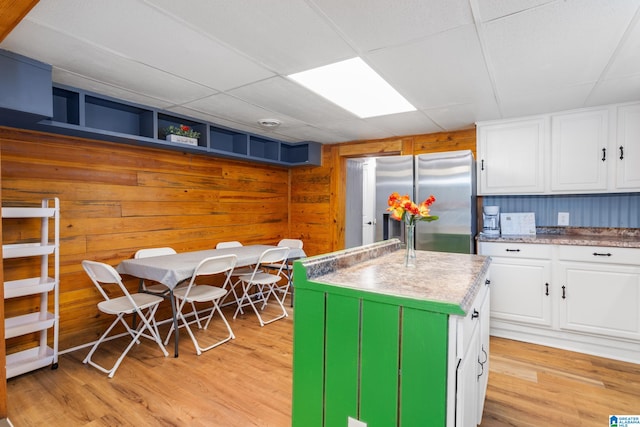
(171, 270)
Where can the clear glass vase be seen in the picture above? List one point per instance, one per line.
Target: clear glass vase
(410, 255)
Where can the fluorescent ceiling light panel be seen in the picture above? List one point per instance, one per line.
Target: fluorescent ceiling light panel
(354, 86)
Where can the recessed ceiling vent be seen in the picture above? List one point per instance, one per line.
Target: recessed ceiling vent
(269, 123)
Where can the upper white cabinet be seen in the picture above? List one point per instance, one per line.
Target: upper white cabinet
(511, 155)
(591, 150)
(627, 147)
(579, 151)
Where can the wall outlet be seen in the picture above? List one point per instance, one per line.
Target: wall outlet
(352, 422)
(563, 218)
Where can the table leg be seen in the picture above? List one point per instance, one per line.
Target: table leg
(175, 322)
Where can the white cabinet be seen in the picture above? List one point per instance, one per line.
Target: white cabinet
(471, 361)
(45, 320)
(600, 291)
(520, 278)
(579, 156)
(511, 156)
(580, 298)
(483, 352)
(590, 150)
(627, 148)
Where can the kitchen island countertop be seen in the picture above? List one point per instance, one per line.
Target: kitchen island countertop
(450, 279)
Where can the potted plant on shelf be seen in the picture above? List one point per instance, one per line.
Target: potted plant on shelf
(182, 133)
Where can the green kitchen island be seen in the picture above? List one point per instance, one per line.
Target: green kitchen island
(377, 344)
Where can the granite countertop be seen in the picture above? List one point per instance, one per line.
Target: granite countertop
(448, 278)
(579, 236)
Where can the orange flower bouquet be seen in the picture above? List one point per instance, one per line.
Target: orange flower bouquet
(402, 208)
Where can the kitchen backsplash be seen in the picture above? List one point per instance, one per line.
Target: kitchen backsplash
(620, 210)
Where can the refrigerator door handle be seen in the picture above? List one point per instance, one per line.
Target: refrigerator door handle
(385, 226)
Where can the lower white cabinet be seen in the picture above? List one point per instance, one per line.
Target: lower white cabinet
(471, 359)
(600, 291)
(521, 280)
(581, 298)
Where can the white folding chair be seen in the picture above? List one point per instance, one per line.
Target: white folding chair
(264, 284)
(287, 271)
(193, 293)
(142, 304)
(157, 288)
(230, 244)
(236, 272)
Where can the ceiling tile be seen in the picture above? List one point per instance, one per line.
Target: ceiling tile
(626, 62)
(286, 36)
(234, 109)
(357, 129)
(463, 116)
(611, 91)
(64, 77)
(494, 9)
(444, 69)
(225, 62)
(162, 42)
(545, 101)
(410, 123)
(377, 24)
(311, 133)
(287, 97)
(83, 59)
(564, 43)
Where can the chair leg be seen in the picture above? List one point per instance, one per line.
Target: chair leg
(196, 344)
(144, 325)
(87, 359)
(272, 290)
(265, 294)
(216, 307)
(245, 295)
(193, 338)
(235, 295)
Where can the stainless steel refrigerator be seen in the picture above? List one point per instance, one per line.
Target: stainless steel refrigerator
(450, 177)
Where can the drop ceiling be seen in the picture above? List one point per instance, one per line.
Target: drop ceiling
(226, 61)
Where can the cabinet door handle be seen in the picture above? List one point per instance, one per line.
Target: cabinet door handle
(482, 164)
(621, 152)
(486, 357)
(604, 154)
(512, 250)
(601, 254)
(487, 282)
(564, 293)
(546, 292)
(481, 371)
(475, 314)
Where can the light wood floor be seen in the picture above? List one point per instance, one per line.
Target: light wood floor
(247, 382)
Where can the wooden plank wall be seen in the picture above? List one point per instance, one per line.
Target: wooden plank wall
(117, 198)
